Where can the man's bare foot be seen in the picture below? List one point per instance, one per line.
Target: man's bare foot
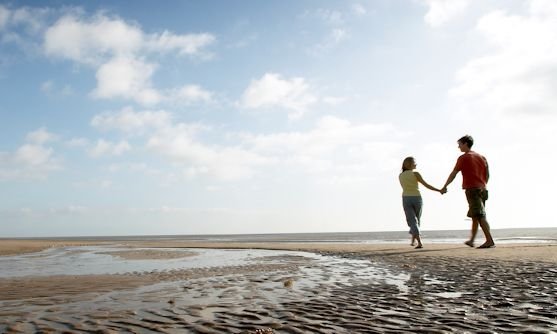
(469, 243)
(487, 245)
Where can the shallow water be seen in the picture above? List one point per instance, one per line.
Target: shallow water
(95, 260)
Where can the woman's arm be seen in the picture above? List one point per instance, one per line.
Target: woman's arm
(422, 181)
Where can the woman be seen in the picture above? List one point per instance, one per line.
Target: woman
(411, 197)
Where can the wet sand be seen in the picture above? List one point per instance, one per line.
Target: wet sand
(388, 288)
(21, 246)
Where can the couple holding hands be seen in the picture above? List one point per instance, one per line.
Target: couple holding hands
(475, 174)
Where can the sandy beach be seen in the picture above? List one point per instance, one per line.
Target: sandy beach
(336, 288)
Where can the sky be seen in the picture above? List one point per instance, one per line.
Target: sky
(226, 117)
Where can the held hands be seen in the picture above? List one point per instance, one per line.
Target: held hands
(440, 190)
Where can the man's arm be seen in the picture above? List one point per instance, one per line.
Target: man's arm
(449, 180)
(486, 171)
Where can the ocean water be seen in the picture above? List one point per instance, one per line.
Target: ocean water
(515, 235)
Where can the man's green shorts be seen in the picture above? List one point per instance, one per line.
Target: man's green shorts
(476, 202)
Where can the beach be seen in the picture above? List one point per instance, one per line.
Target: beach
(289, 288)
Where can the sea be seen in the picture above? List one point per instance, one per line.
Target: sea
(510, 235)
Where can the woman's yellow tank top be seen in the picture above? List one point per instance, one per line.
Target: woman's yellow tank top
(409, 183)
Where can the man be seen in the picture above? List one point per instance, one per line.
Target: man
(475, 174)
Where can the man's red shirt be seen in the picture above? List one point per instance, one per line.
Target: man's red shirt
(474, 169)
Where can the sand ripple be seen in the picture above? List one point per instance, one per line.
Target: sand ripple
(402, 294)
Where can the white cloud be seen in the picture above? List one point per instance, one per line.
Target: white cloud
(31, 160)
(93, 41)
(190, 94)
(177, 142)
(129, 121)
(77, 142)
(519, 76)
(274, 91)
(104, 147)
(188, 44)
(32, 155)
(22, 26)
(33, 19)
(130, 78)
(225, 163)
(333, 148)
(329, 134)
(102, 37)
(40, 136)
(122, 54)
(334, 100)
(126, 77)
(359, 9)
(338, 35)
(4, 16)
(120, 51)
(442, 11)
(543, 8)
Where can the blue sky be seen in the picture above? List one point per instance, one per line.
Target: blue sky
(194, 117)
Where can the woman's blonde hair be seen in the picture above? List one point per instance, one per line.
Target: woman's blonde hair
(407, 163)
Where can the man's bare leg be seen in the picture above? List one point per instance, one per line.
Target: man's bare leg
(488, 238)
(473, 233)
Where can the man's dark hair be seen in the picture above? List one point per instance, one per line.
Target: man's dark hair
(468, 140)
